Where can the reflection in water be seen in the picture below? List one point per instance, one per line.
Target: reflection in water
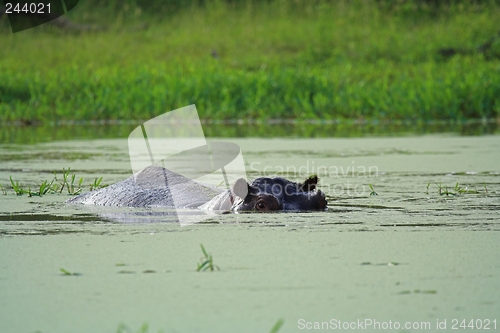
(48, 217)
(302, 129)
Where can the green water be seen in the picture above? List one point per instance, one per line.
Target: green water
(407, 254)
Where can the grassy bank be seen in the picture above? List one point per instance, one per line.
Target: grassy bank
(344, 60)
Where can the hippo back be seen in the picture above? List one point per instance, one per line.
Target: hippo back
(153, 186)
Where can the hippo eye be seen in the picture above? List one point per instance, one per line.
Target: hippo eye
(260, 205)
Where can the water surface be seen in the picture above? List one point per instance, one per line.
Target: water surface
(406, 254)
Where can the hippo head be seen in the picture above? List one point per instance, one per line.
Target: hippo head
(277, 194)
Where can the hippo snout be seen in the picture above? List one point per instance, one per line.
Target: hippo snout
(321, 200)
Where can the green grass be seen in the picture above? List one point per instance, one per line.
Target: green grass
(68, 182)
(279, 60)
(206, 262)
(277, 326)
(95, 185)
(457, 190)
(68, 273)
(373, 190)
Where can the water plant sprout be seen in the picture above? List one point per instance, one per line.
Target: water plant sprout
(373, 191)
(68, 273)
(55, 186)
(206, 262)
(456, 191)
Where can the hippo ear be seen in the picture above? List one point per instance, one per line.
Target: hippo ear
(240, 188)
(309, 184)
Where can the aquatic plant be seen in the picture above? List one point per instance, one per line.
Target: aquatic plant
(456, 191)
(97, 184)
(70, 186)
(68, 273)
(277, 326)
(206, 262)
(54, 186)
(16, 187)
(45, 187)
(4, 191)
(461, 190)
(373, 191)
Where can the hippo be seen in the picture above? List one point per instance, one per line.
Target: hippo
(156, 186)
